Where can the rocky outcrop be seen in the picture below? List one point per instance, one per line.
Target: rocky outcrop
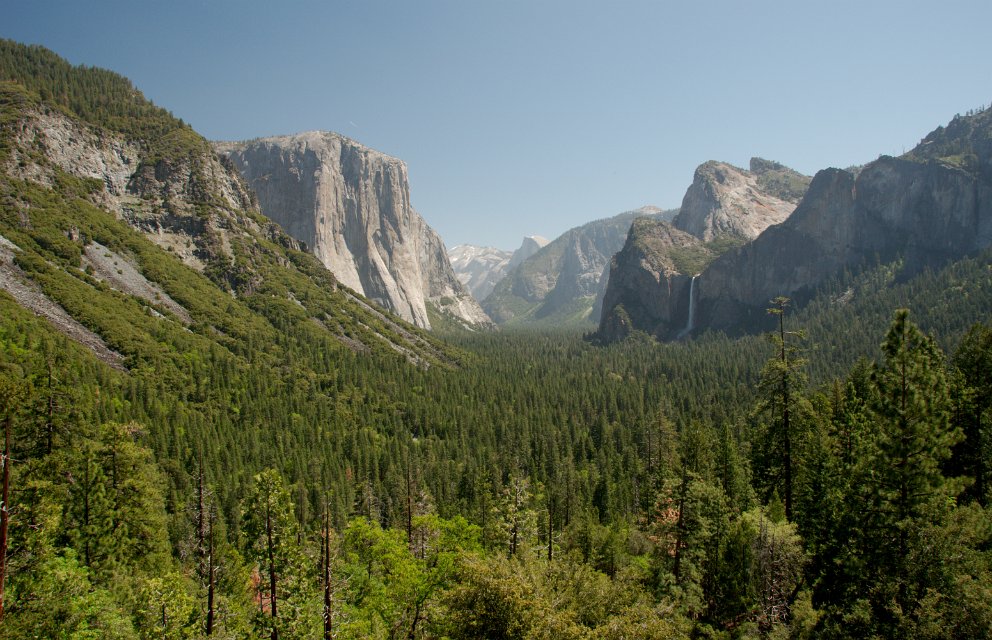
(528, 247)
(165, 197)
(648, 289)
(724, 200)
(649, 281)
(562, 282)
(479, 268)
(351, 206)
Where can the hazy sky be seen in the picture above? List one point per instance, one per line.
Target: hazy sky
(531, 116)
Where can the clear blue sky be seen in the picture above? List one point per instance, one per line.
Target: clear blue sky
(525, 117)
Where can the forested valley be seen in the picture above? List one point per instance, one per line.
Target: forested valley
(274, 466)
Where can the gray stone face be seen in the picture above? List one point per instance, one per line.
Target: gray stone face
(929, 207)
(646, 290)
(923, 212)
(351, 206)
(481, 268)
(726, 201)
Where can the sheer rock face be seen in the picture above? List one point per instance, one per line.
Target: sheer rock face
(927, 208)
(351, 206)
(646, 290)
(726, 201)
(923, 212)
(528, 247)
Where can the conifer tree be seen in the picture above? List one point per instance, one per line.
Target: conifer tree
(781, 409)
(914, 438)
(973, 410)
(269, 527)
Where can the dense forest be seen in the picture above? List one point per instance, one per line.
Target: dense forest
(250, 474)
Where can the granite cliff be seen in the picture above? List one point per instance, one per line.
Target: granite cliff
(124, 229)
(351, 206)
(724, 200)
(929, 207)
(647, 278)
(651, 277)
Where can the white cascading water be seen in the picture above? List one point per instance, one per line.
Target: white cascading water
(692, 309)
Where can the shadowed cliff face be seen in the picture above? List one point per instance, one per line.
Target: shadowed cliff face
(924, 213)
(351, 206)
(563, 282)
(646, 286)
(931, 206)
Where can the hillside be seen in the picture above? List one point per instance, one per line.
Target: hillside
(481, 268)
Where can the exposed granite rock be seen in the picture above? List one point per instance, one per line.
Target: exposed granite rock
(925, 213)
(479, 268)
(166, 199)
(648, 283)
(350, 205)
(724, 200)
(528, 247)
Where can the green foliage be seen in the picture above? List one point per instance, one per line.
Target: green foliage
(97, 96)
(61, 602)
(511, 484)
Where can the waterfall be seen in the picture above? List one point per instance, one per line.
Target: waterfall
(691, 320)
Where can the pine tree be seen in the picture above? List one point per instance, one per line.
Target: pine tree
(782, 410)
(973, 410)
(914, 438)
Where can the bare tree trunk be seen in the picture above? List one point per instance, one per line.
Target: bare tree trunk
(326, 569)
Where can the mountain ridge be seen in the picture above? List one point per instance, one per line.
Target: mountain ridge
(930, 206)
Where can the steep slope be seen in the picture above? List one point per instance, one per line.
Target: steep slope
(651, 279)
(647, 278)
(562, 282)
(107, 215)
(528, 247)
(481, 268)
(351, 206)
(925, 209)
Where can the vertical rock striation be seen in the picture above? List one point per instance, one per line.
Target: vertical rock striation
(351, 206)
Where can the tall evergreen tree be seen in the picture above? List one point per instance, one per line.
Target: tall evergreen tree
(973, 410)
(914, 438)
(782, 411)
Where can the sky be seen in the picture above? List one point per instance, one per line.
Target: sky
(529, 117)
